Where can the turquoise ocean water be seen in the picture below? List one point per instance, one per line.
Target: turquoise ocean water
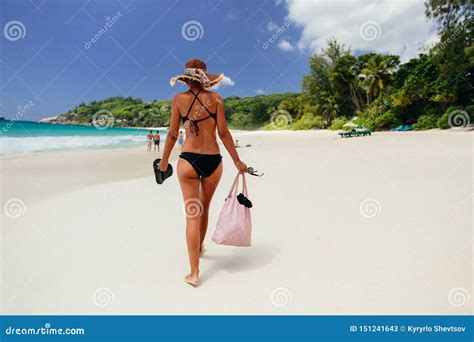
(19, 137)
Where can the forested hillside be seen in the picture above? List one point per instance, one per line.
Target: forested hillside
(436, 89)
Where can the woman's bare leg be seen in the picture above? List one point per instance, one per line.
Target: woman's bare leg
(193, 207)
(208, 187)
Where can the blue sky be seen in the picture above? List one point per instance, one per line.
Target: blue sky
(141, 50)
(48, 62)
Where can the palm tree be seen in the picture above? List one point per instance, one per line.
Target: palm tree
(330, 110)
(377, 73)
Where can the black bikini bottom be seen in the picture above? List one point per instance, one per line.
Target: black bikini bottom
(203, 164)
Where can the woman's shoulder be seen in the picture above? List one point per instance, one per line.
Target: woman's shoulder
(214, 95)
(185, 94)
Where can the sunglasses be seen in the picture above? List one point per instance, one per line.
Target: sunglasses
(253, 172)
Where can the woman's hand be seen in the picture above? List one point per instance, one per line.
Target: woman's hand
(241, 166)
(163, 165)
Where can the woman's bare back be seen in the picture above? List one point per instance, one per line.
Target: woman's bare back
(201, 139)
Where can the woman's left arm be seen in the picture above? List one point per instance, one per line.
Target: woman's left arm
(172, 135)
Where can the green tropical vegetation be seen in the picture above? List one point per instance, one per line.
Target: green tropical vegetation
(373, 90)
(127, 112)
(245, 113)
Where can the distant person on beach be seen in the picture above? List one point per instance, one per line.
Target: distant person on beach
(180, 139)
(156, 140)
(149, 140)
(199, 165)
(236, 143)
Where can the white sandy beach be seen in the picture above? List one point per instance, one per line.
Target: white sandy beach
(369, 225)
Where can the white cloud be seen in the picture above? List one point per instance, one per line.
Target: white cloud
(259, 92)
(271, 26)
(384, 26)
(285, 45)
(226, 81)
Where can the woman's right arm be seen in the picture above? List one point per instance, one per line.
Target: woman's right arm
(172, 135)
(226, 137)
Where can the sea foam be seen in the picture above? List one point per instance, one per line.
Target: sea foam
(21, 145)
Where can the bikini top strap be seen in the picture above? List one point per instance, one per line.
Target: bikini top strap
(211, 114)
(194, 100)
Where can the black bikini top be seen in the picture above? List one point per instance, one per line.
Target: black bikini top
(193, 123)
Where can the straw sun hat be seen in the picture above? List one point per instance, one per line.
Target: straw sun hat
(196, 70)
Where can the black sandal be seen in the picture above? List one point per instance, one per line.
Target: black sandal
(160, 176)
(244, 200)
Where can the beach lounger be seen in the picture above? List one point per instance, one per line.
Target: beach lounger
(346, 134)
(355, 133)
(402, 128)
(364, 132)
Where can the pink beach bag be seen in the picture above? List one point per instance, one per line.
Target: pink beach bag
(234, 226)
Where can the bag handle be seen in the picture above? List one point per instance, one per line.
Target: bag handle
(244, 186)
(235, 186)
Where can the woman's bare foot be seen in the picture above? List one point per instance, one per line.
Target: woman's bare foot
(192, 279)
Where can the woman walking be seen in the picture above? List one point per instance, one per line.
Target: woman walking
(199, 166)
